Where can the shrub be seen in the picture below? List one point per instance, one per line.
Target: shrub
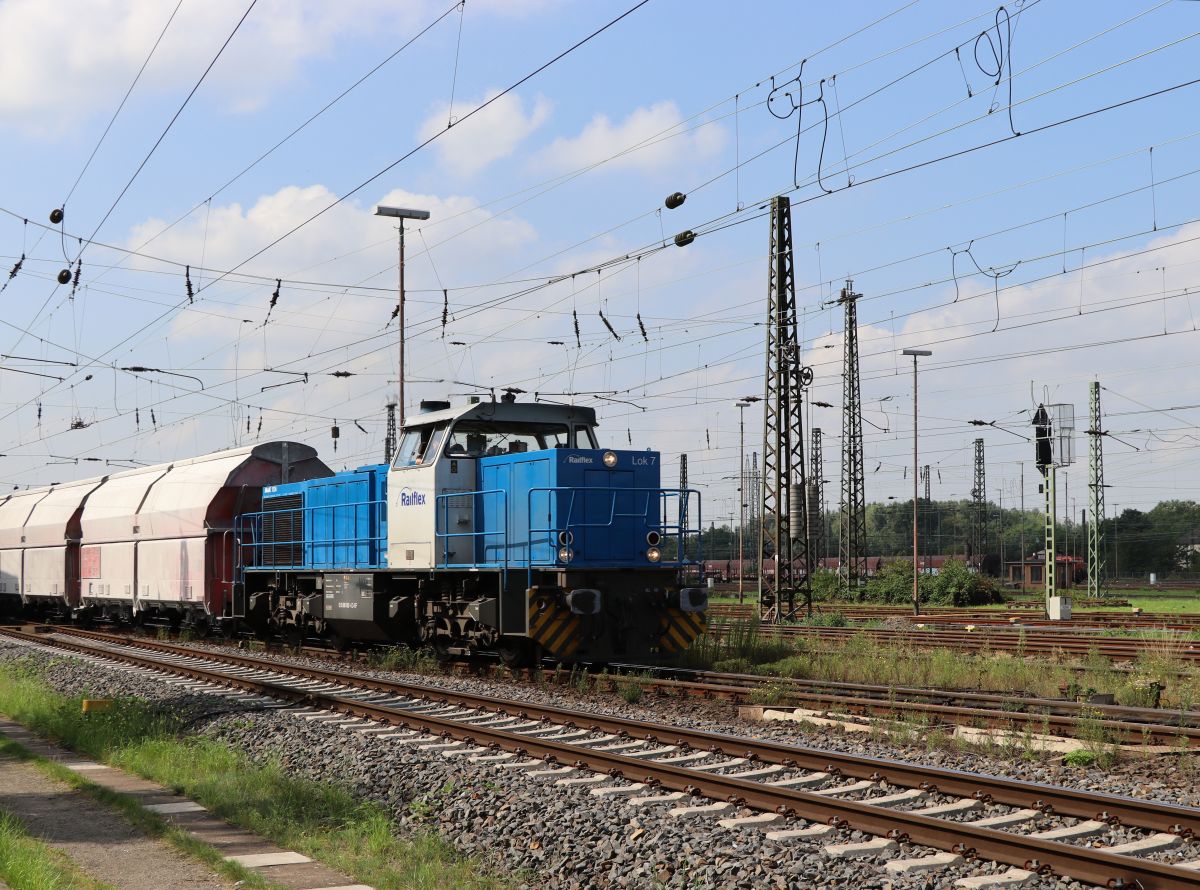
(1080, 758)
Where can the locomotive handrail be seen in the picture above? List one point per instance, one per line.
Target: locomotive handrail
(665, 529)
(309, 547)
(443, 503)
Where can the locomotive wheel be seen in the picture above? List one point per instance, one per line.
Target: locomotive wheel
(515, 653)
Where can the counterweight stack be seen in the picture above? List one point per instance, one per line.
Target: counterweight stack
(783, 532)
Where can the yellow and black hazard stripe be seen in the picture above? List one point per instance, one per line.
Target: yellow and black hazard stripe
(681, 629)
(554, 627)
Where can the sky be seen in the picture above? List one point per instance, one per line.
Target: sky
(1013, 188)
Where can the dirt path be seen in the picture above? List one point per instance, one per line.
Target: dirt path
(97, 838)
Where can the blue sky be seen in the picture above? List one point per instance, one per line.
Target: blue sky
(568, 172)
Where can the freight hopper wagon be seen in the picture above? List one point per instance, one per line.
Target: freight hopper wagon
(499, 527)
(154, 542)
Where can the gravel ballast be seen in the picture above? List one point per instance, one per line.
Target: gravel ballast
(565, 837)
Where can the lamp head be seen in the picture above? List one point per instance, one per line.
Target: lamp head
(401, 212)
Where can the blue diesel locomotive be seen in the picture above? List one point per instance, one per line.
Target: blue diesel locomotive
(500, 526)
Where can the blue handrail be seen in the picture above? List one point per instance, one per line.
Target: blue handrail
(308, 547)
(443, 506)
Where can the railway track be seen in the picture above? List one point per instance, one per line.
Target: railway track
(660, 764)
(1002, 617)
(1118, 723)
(992, 639)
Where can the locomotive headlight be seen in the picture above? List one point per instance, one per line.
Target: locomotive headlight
(566, 539)
(653, 538)
(610, 459)
(654, 554)
(565, 554)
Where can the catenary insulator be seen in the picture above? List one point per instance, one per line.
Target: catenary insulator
(64, 277)
(683, 239)
(56, 215)
(675, 199)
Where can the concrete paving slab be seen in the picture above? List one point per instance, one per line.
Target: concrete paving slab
(265, 860)
(184, 806)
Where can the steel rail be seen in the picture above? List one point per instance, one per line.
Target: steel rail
(1115, 809)
(1123, 731)
(1017, 703)
(1008, 641)
(1047, 857)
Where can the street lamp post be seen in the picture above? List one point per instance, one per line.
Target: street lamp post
(916, 596)
(742, 404)
(401, 213)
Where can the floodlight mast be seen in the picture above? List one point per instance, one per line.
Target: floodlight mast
(401, 213)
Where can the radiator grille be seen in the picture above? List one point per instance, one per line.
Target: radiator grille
(282, 530)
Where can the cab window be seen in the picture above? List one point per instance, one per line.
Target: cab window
(481, 438)
(419, 446)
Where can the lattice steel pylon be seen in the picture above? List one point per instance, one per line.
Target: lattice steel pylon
(925, 530)
(755, 513)
(816, 499)
(783, 532)
(683, 501)
(979, 516)
(389, 440)
(1095, 542)
(852, 546)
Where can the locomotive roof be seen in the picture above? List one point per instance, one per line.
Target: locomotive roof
(516, 412)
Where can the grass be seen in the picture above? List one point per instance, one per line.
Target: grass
(320, 820)
(28, 864)
(911, 662)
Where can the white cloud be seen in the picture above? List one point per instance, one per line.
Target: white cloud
(488, 136)
(640, 139)
(68, 59)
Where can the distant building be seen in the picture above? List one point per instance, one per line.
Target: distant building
(1070, 571)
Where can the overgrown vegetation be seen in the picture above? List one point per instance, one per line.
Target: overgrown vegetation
(953, 585)
(28, 864)
(404, 659)
(747, 647)
(323, 821)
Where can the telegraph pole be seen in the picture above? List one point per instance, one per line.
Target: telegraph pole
(784, 496)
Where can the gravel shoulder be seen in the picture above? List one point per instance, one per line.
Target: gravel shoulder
(545, 836)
